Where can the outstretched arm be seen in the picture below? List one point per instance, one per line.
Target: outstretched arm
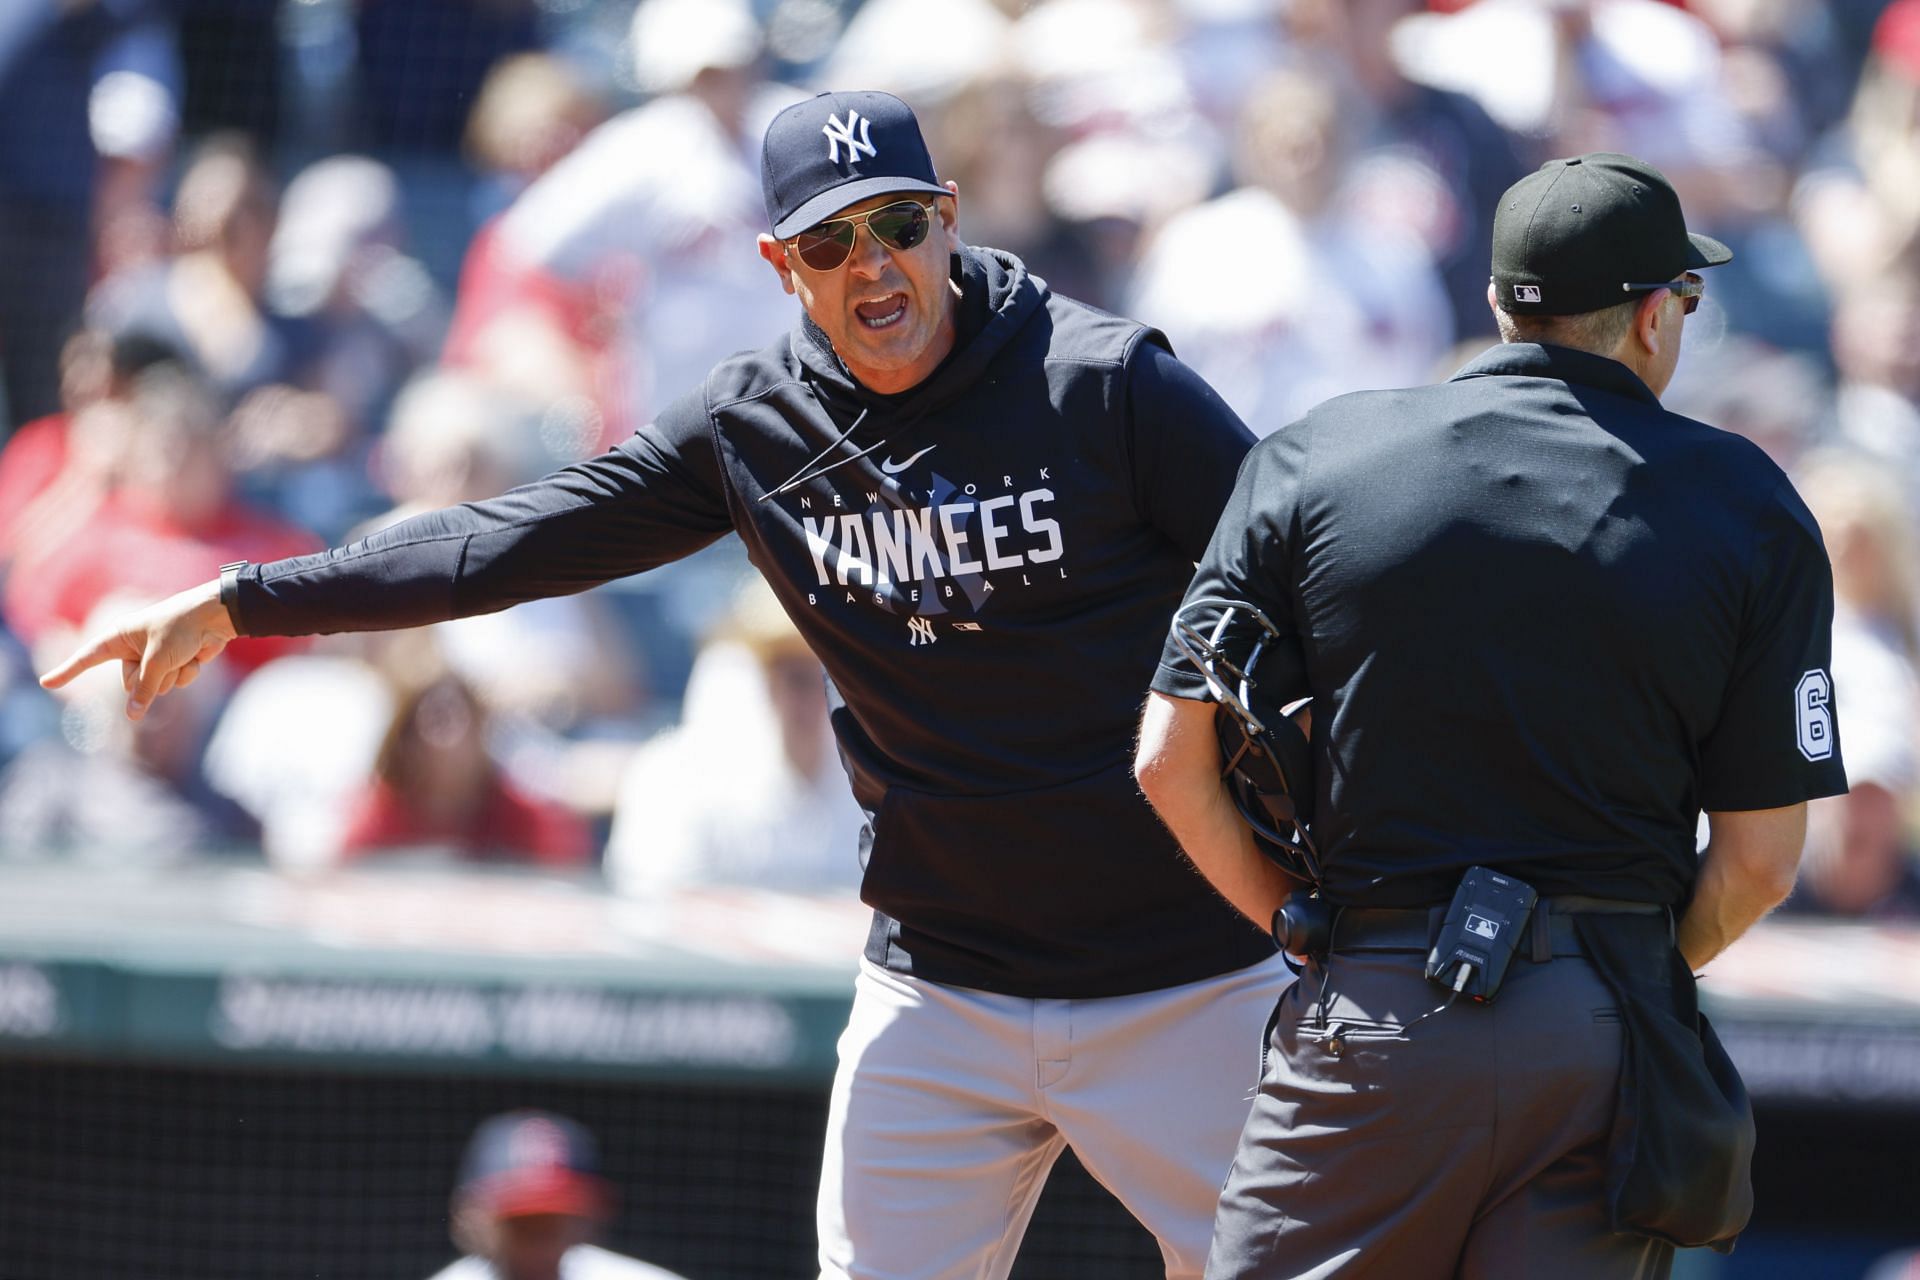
(654, 498)
(161, 648)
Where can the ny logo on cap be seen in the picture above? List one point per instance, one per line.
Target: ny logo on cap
(838, 133)
(1526, 293)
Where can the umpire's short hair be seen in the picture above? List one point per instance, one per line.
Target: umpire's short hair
(1596, 331)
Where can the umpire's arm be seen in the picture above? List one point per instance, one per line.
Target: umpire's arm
(1178, 767)
(1747, 870)
(1759, 765)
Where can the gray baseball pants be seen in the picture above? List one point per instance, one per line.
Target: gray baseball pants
(951, 1105)
(1470, 1143)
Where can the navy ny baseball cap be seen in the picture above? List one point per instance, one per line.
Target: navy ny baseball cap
(836, 150)
(533, 1162)
(1571, 236)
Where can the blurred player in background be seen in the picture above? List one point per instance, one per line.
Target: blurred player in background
(530, 1202)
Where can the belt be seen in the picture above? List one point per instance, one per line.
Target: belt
(1412, 929)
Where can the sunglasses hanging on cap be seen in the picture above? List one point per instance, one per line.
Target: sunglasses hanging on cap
(899, 226)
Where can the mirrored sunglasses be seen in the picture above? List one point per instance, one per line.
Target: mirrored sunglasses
(899, 226)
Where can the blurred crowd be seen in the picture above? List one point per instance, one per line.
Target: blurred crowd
(279, 274)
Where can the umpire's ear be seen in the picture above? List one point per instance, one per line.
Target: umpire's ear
(775, 252)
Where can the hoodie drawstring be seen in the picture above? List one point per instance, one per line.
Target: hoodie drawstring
(810, 471)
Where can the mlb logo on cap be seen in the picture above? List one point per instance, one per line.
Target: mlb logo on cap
(836, 150)
(1526, 293)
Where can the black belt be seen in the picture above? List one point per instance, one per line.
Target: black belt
(1412, 929)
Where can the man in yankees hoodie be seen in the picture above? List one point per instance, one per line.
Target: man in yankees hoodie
(979, 501)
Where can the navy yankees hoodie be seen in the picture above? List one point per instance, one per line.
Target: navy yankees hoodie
(986, 574)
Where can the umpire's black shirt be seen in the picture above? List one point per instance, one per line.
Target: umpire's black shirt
(1545, 623)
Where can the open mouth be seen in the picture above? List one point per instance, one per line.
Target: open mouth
(882, 313)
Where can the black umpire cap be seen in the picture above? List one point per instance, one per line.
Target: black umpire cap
(1584, 233)
(837, 149)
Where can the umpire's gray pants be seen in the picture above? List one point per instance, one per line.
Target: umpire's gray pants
(1471, 1143)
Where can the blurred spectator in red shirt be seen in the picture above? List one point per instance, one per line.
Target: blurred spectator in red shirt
(171, 520)
(56, 470)
(35, 454)
(435, 789)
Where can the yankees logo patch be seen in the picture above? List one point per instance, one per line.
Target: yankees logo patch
(920, 631)
(842, 134)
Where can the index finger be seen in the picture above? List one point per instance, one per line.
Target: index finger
(105, 649)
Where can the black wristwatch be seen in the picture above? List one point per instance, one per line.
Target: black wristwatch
(230, 592)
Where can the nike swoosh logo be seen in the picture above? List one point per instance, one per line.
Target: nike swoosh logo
(893, 468)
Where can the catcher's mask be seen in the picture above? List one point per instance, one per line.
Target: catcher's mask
(1269, 766)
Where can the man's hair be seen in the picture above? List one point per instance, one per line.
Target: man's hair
(1596, 331)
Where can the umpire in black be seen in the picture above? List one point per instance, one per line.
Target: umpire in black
(1544, 623)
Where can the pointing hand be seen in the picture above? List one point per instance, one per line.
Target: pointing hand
(160, 648)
